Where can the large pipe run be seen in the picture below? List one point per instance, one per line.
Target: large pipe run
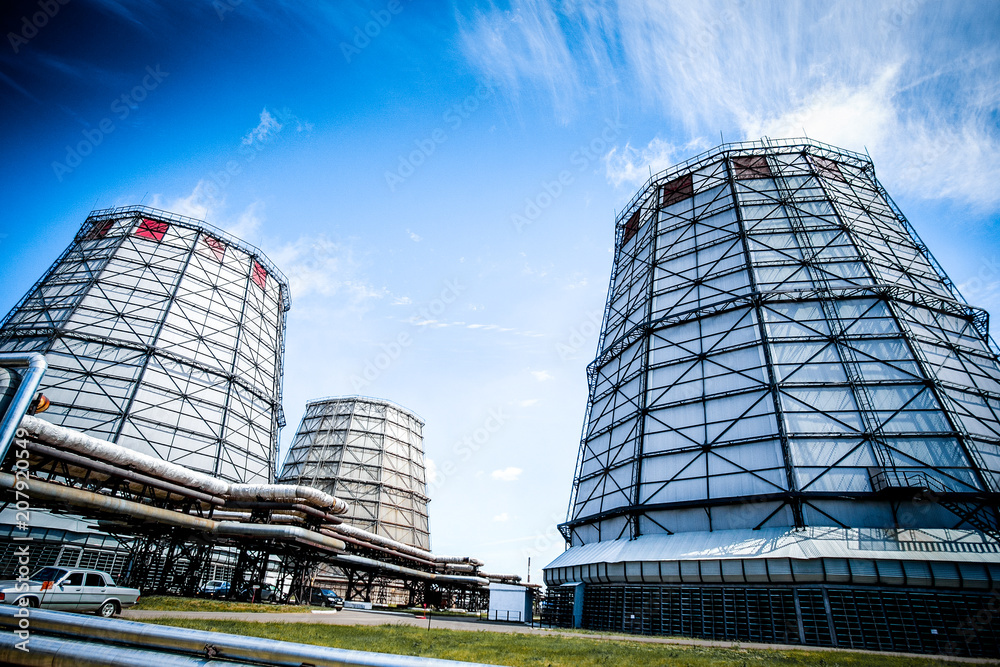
(97, 502)
(111, 459)
(122, 457)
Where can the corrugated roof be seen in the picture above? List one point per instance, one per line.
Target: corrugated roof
(804, 544)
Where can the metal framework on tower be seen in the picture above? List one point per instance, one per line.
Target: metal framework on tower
(781, 353)
(369, 452)
(165, 335)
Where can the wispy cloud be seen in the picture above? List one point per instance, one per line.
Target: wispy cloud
(633, 166)
(326, 267)
(914, 83)
(416, 238)
(541, 376)
(501, 518)
(510, 474)
(266, 128)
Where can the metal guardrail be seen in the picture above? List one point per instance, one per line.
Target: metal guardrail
(63, 638)
(914, 480)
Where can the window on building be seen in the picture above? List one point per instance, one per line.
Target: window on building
(153, 230)
(677, 190)
(259, 275)
(99, 230)
(751, 166)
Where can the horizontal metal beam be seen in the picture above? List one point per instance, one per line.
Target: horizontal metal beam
(786, 496)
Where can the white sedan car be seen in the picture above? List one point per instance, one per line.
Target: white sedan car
(69, 589)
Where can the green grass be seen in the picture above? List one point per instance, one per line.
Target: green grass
(168, 603)
(542, 651)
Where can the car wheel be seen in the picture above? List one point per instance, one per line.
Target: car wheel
(33, 603)
(108, 609)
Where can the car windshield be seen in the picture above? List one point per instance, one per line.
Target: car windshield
(327, 592)
(49, 574)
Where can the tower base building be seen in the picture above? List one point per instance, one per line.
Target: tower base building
(793, 427)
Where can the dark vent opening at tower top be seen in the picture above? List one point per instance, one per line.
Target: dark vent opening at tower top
(153, 230)
(677, 190)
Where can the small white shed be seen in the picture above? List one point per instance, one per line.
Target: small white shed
(510, 602)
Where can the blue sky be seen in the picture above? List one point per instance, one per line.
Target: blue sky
(407, 181)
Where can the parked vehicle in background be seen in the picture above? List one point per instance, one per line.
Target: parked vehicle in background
(69, 589)
(324, 597)
(255, 591)
(215, 588)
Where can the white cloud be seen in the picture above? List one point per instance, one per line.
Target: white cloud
(542, 376)
(634, 167)
(266, 128)
(527, 403)
(523, 42)
(881, 76)
(416, 238)
(320, 265)
(509, 474)
(205, 202)
(502, 517)
(247, 223)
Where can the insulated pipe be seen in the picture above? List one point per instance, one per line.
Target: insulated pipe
(365, 536)
(139, 478)
(502, 578)
(246, 515)
(116, 455)
(298, 507)
(101, 632)
(369, 545)
(64, 438)
(98, 502)
(265, 531)
(361, 561)
(458, 559)
(18, 408)
(287, 493)
(458, 567)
